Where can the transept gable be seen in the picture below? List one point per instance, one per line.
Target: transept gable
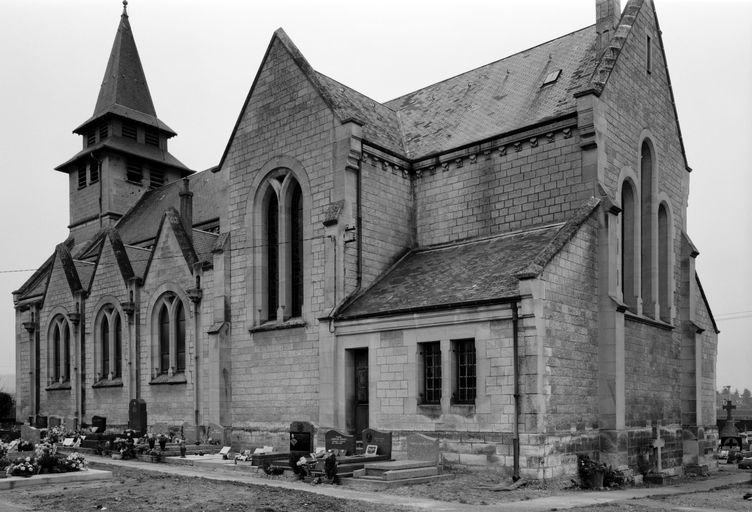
(112, 260)
(637, 14)
(281, 47)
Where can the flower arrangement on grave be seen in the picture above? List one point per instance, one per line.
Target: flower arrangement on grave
(591, 471)
(154, 454)
(25, 446)
(56, 434)
(44, 457)
(73, 462)
(23, 467)
(162, 440)
(330, 467)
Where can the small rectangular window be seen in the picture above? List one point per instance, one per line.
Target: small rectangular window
(91, 138)
(649, 55)
(134, 173)
(552, 77)
(103, 131)
(81, 177)
(156, 177)
(94, 172)
(464, 367)
(431, 372)
(129, 131)
(152, 137)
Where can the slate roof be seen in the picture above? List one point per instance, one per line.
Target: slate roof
(124, 90)
(130, 147)
(142, 221)
(380, 123)
(476, 271)
(497, 98)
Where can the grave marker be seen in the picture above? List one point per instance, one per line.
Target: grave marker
(383, 440)
(420, 447)
(343, 444)
(659, 443)
(137, 416)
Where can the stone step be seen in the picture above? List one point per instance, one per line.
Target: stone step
(382, 467)
(403, 474)
(376, 484)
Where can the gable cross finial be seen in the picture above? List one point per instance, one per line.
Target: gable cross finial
(125, 6)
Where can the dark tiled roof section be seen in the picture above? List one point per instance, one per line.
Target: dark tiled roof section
(475, 271)
(130, 147)
(203, 244)
(138, 257)
(380, 123)
(124, 90)
(469, 272)
(128, 113)
(142, 221)
(85, 270)
(497, 98)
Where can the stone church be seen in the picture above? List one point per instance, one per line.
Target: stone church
(500, 260)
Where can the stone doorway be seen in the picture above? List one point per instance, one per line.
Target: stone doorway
(357, 393)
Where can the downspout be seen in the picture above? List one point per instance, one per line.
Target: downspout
(516, 377)
(359, 227)
(195, 294)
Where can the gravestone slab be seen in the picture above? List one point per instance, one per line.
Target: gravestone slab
(54, 421)
(71, 425)
(137, 415)
(420, 447)
(99, 422)
(383, 440)
(31, 434)
(160, 428)
(190, 433)
(40, 422)
(301, 436)
(337, 441)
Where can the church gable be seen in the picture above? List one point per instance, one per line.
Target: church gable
(64, 281)
(285, 88)
(173, 255)
(113, 270)
(634, 77)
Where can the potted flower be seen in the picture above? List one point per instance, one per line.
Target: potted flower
(23, 467)
(150, 439)
(181, 445)
(591, 472)
(155, 455)
(162, 440)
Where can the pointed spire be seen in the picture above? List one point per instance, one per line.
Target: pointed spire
(124, 82)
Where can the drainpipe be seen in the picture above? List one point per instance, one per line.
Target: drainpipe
(195, 294)
(516, 376)
(359, 227)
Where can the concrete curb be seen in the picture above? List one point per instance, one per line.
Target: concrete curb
(15, 482)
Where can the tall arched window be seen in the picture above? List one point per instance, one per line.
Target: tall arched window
(105, 341)
(180, 336)
(272, 255)
(647, 220)
(169, 335)
(280, 279)
(296, 252)
(110, 343)
(164, 338)
(59, 350)
(664, 263)
(629, 258)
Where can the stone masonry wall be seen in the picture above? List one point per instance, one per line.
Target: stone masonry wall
(529, 184)
(709, 356)
(108, 287)
(284, 118)
(571, 346)
(388, 212)
(58, 402)
(24, 367)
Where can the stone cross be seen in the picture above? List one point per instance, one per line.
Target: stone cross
(729, 407)
(659, 443)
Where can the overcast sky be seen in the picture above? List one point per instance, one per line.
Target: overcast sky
(200, 59)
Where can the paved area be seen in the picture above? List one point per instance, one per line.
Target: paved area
(558, 502)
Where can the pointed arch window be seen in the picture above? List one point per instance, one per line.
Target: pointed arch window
(59, 350)
(629, 255)
(110, 344)
(169, 335)
(648, 256)
(665, 268)
(280, 275)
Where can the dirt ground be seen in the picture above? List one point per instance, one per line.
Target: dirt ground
(132, 490)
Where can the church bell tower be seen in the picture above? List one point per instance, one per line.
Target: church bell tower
(124, 145)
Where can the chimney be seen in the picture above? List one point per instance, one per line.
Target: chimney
(186, 209)
(607, 15)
